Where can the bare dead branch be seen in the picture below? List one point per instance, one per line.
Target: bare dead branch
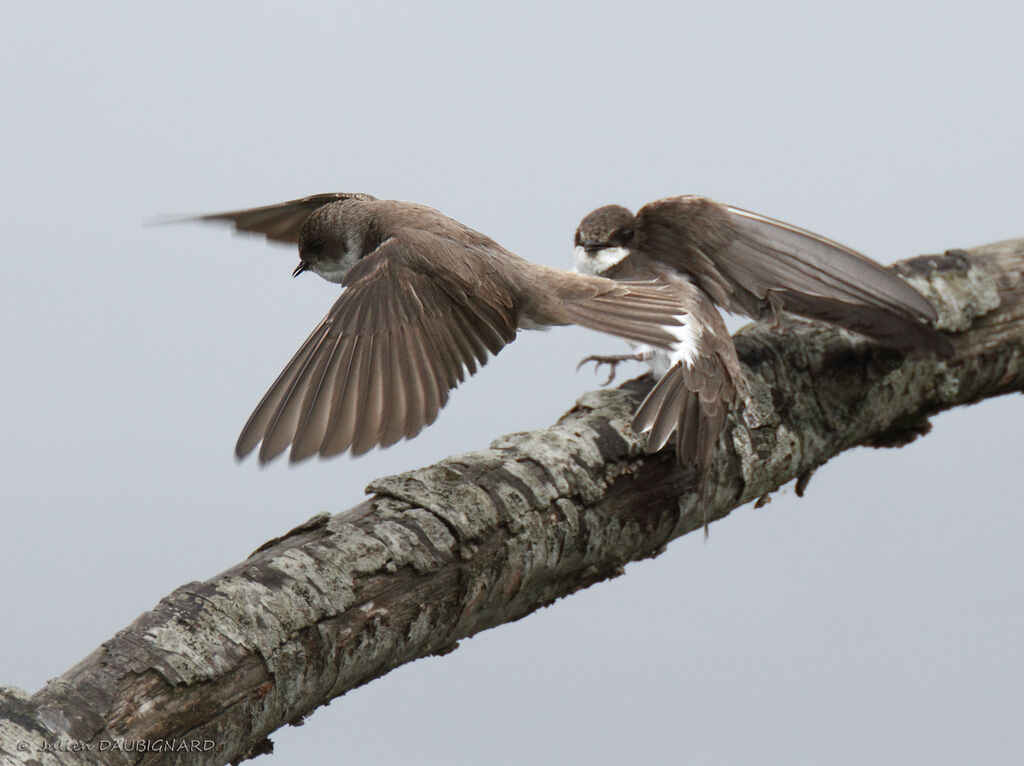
(481, 539)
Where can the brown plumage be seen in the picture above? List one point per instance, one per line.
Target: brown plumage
(753, 265)
(748, 264)
(425, 300)
(692, 397)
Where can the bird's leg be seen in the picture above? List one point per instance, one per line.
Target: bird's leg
(611, 361)
(774, 318)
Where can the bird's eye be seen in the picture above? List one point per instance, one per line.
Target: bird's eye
(622, 236)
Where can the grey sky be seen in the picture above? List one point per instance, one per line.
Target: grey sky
(876, 620)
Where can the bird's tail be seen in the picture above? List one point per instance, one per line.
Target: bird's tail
(676, 404)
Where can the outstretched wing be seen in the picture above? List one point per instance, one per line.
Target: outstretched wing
(692, 398)
(281, 222)
(641, 311)
(380, 365)
(752, 264)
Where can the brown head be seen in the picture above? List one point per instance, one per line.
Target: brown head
(334, 238)
(603, 239)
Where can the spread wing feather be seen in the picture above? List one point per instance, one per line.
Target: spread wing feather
(380, 365)
(643, 312)
(789, 258)
(281, 222)
(753, 264)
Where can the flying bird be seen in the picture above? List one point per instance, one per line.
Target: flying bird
(717, 255)
(425, 300)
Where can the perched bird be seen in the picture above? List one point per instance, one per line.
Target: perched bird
(746, 263)
(425, 299)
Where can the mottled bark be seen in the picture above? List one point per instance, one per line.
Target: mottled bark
(480, 539)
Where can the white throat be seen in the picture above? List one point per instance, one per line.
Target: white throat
(335, 271)
(599, 261)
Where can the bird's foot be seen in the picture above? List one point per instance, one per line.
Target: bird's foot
(611, 361)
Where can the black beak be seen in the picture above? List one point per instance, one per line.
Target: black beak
(590, 245)
(300, 268)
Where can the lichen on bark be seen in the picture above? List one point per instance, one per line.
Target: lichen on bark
(479, 539)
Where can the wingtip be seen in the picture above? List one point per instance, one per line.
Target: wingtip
(925, 341)
(166, 219)
(245, 445)
(172, 219)
(301, 450)
(270, 451)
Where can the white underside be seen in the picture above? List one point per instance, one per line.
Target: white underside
(686, 332)
(597, 262)
(685, 350)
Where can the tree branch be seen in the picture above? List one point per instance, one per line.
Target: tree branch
(480, 539)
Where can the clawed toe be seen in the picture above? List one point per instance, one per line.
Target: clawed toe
(611, 361)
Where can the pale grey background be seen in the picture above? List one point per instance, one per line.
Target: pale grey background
(878, 620)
